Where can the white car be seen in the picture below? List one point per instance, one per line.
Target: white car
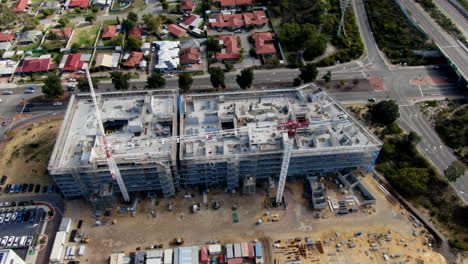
(13, 216)
(2, 217)
(10, 241)
(17, 240)
(57, 103)
(7, 217)
(4, 241)
(30, 240)
(7, 93)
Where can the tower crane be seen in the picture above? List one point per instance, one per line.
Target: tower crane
(287, 129)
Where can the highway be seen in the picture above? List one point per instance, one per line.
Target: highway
(454, 14)
(449, 46)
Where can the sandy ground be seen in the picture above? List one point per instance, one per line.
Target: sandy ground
(208, 224)
(24, 158)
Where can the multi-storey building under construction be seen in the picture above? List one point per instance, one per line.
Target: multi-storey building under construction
(147, 131)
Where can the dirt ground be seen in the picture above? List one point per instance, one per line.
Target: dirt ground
(208, 224)
(24, 158)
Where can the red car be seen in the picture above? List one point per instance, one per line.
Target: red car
(220, 260)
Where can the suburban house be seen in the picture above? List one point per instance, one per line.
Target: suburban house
(6, 37)
(7, 67)
(189, 56)
(77, 3)
(234, 21)
(35, 65)
(263, 45)
(176, 31)
(231, 50)
(50, 5)
(74, 62)
(109, 32)
(145, 48)
(20, 6)
(136, 32)
(101, 3)
(132, 60)
(29, 37)
(191, 22)
(232, 3)
(168, 56)
(107, 60)
(5, 45)
(187, 5)
(62, 33)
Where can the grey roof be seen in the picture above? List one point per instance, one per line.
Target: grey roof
(5, 45)
(29, 35)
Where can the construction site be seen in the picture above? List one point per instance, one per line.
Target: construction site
(157, 142)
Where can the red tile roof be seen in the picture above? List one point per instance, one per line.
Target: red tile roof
(62, 33)
(234, 2)
(231, 50)
(20, 5)
(73, 63)
(133, 59)
(255, 18)
(228, 20)
(187, 5)
(189, 56)
(6, 37)
(260, 46)
(109, 31)
(35, 65)
(79, 3)
(176, 30)
(136, 32)
(188, 20)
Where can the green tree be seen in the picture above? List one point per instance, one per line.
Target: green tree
(128, 24)
(454, 171)
(133, 43)
(385, 112)
(83, 85)
(30, 23)
(52, 86)
(152, 22)
(52, 35)
(297, 81)
(185, 81)
(63, 22)
(309, 72)
(90, 18)
(77, 10)
(74, 47)
(120, 80)
(411, 181)
(245, 79)
(46, 12)
(327, 76)
(94, 9)
(132, 16)
(413, 138)
(213, 45)
(155, 80)
(217, 77)
(117, 40)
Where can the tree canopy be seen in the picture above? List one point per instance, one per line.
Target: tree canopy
(155, 80)
(83, 85)
(52, 86)
(303, 37)
(133, 43)
(454, 171)
(385, 112)
(185, 81)
(217, 77)
(120, 80)
(308, 73)
(152, 22)
(245, 79)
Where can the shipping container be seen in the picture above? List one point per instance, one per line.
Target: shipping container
(57, 248)
(81, 250)
(235, 261)
(229, 251)
(176, 255)
(237, 250)
(258, 250)
(204, 258)
(251, 250)
(185, 255)
(244, 249)
(153, 261)
(154, 254)
(168, 256)
(214, 249)
(65, 225)
(195, 255)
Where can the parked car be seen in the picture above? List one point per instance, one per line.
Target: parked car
(27, 215)
(4, 241)
(27, 91)
(23, 203)
(32, 217)
(12, 188)
(10, 241)
(5, 123)
(44, 189)
(3, 180)
(7, 188)
(372, 100)
(32, 88)
(2, 217)
(20, 216)
(14, 215)
(18, 188)
(30, 240)
(51, 188)
(7, 93)
(8, 217)
(30, 187)
(57, 104)
(37, 188)
(24, 187)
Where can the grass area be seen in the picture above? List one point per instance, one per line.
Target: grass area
(28, 47)
(54, 44)
(442, 19)
(452, 127)
(109, 22)
(85, 36)
(387, 20)
(413, 177)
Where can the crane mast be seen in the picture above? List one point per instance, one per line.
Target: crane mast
(113, 168)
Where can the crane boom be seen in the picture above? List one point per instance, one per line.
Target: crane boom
(113, 168)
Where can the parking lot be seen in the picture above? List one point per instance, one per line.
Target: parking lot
(24, 187)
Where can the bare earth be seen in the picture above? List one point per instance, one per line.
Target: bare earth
(298, 221)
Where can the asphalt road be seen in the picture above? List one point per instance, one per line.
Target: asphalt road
(446, 43)
(454, 14)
